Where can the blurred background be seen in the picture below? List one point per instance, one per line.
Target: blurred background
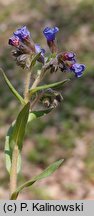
(68, 132)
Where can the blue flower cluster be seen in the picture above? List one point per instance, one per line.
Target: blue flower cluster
(66, 59)
(19, 35)
(50, 34)
(21, 39)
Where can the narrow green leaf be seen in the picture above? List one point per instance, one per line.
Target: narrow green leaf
(8, 150)
(8, 140)
(13, 90)
(34, 59)
(55, 86)
(15, 135)
(20, 126)
(37, 114)
(46, 173)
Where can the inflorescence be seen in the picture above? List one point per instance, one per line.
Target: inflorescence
(25, 46)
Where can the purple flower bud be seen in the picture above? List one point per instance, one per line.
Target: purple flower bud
(14, 41)
(22, 33)
(77, 69)
(50, 33)
(38, 49)
(69, 56)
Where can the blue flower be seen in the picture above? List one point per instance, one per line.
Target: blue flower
(69, 56)
(38, 49)
(22, 33)
(77, 69)
(14, 41)
(50, 33)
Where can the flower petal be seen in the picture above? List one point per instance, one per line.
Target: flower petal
(50, 33)
(39, 49)
(69, 56)
(14, 41)
(77, 69)
(22, 33)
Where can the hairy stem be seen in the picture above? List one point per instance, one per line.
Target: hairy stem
(26, 86)
(40, 76)
(13, 172)
(36, 101)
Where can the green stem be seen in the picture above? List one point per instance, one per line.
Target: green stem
(26, 86)
(13, 173)
(36, 101)
(41, 76)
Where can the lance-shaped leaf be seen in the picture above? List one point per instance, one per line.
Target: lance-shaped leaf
(55, 86)
(47, 172)
(8, 152)
(8, 140)
(14, 136)
(13, 90)
(19, 128)
(37, 114)
(34, 59)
